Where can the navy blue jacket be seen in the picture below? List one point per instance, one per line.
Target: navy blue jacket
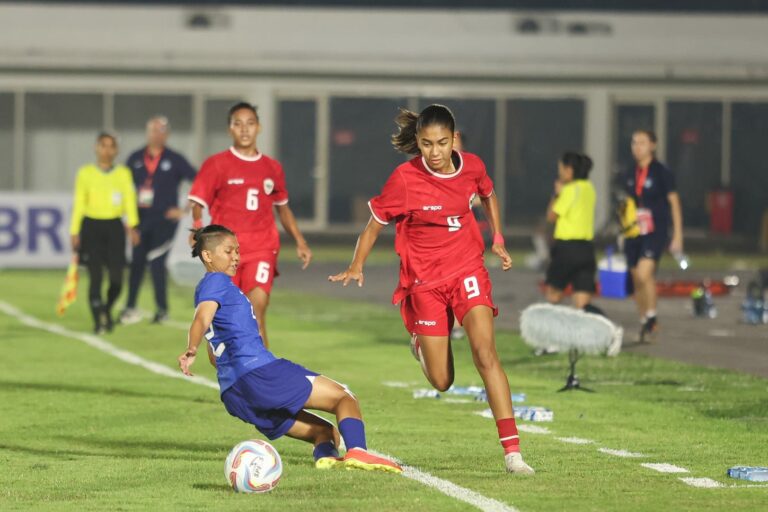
(658, 184)
(171, 171)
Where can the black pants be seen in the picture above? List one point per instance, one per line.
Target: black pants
(156, 242)
(102, 244)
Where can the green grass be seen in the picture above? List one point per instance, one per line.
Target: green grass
(81, 430)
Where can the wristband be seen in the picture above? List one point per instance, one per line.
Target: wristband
(197, 224)
(498, 239)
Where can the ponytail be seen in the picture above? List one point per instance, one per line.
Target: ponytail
(409, 123)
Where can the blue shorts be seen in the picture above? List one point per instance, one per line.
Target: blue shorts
(645, 246)
(270, 396)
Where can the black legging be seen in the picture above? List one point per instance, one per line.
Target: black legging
(156, 241)
(102, 243)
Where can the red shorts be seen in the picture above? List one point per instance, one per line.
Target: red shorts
(256, 270)
(431, 312)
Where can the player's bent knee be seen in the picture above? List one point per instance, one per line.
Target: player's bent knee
(485, 359)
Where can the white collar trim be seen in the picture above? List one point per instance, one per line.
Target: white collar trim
(442, 175)
(244, 157)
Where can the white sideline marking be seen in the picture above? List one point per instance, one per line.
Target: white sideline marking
(704, 483)
(451, 489)
(104, 346)
(575, 440)
(620, 453)
(395, 384)
(444, 486)
(664, 467)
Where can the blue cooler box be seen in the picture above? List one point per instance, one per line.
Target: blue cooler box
(612, 275)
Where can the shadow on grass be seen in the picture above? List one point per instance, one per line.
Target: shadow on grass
(94, 390)
(212, 487)
(156, 448)
(128, 450)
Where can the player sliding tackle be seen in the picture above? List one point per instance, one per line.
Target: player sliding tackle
(442, 275)
(270, 393)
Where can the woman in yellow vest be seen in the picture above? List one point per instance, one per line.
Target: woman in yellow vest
(572, 209)
(104, 194)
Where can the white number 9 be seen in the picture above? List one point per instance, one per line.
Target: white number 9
(472, 287)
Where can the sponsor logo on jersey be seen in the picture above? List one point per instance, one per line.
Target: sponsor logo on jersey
(429, 323)
(269, 186)
(236, 181)
(432, 207)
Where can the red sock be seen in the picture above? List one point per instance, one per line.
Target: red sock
(508, 437)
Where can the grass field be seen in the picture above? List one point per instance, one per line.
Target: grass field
(82, 430)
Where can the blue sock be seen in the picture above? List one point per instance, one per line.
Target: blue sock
(353, 432)
(326, 449)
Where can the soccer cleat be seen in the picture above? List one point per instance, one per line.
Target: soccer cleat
(160, 317)
(130, 316)
(648, 330)
(515, 464)
(357, 458)
(329, 462)
(415, 348)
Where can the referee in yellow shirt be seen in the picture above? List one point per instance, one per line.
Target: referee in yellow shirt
(104, 195)
(572, 209)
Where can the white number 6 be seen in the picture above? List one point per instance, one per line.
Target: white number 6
(262, 272)
(472, 287)
(252, 199)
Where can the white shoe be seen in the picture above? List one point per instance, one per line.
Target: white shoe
(615, 347)
(130, 316)
(515, 464)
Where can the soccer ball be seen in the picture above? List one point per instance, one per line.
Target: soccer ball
(253, 466)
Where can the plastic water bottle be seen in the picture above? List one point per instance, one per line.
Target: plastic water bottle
(750, 473)
(681, 259)
(426, 393)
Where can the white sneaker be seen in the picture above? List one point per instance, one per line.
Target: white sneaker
(130, 316)
(515, 464)
(615, 347)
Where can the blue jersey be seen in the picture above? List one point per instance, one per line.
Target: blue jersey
(234, 334)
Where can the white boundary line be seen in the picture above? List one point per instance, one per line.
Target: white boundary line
(444, 486)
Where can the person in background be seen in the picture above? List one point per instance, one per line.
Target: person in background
(572, 210)
(157, 173)
(651, 187)
(104, 195)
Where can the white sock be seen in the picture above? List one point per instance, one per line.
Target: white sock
(650, 313)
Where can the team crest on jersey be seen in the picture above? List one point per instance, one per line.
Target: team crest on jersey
(165, 165)
(269, 186)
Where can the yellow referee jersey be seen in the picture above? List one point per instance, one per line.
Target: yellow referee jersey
(575, 209)
(104, 195)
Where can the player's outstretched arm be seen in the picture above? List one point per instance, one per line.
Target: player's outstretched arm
(365, 243)
(491, 208)
(200, 324)
(288, 221)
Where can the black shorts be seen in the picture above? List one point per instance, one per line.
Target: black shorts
(650, 246)
(572, 262)
(102, 242)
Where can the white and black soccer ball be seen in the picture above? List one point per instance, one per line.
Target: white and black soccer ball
(253, 466)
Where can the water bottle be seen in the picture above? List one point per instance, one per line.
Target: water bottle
(750, 473)
(681, 259)
(426, 393)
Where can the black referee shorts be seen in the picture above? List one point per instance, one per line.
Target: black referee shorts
(572, 262)
(102, 243)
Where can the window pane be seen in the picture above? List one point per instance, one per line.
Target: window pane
(628, 119)
(538, 132)
(133, 111)
(476, 121)
(749, 178)
(216, 130)
(694, 132)
(296, 121)
(60, 137)
(6, 141)
(362, 157)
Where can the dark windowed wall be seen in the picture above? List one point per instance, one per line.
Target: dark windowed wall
(538, 132)
(361, 155)
(6, 141)
(694, 153)
(60, 136)
(297, 134)
(749, 166)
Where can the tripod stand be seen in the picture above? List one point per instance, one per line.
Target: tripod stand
(573, 381)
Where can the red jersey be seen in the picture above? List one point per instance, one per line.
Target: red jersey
(436, 234)
(239, 192)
